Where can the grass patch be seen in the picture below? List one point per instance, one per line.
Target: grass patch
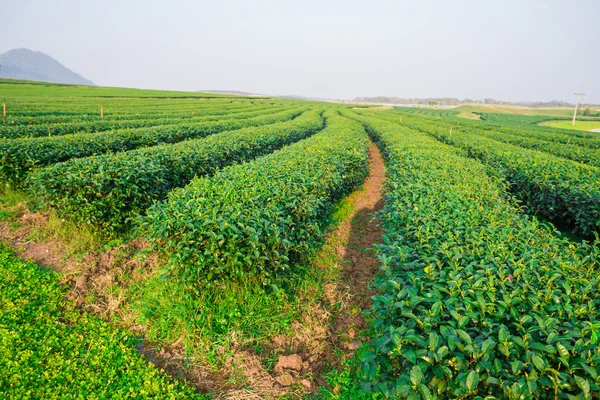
(468, 115)
(344, 381)
(50, 349)
(21, 210)
(579, 125)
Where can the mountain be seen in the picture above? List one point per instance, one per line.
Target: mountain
(37, 66)
(239, 92)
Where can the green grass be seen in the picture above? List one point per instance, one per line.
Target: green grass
(50, 349)
(492, 108)
(579, 125)
(16, 89)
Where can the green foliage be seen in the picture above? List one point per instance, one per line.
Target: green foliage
(475, 299)
(106, 191)
(19, 156)
(573, 151)
(259, 218)
(51, 350)
(57, 125)
(555, 188)
(345, 382)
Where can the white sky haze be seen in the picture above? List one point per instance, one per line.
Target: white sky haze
(508, 50)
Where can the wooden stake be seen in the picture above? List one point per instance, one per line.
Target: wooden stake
(4, 111)
(101, 112)
(450, 130)
(193, 112)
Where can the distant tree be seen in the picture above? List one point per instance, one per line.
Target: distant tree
(587, 112)
(431, 103)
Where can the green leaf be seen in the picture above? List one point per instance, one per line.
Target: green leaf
(503, 334)
(562, 350)
(416, 375)
(425, 392)
(583, 385)
(472, 381)
(433, 340)
(410, 356)
(538, 362)
(488, 344)
(442, 351)
(464, 336)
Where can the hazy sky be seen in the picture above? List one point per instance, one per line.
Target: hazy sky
(505, 49)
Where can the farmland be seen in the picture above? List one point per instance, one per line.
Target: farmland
(579, 125)
(181, 245)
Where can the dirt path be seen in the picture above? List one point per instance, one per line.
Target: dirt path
(332, 325)
(361, 231)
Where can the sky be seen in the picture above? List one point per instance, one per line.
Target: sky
(511, 50)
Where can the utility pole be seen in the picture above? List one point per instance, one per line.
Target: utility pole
(577, 105)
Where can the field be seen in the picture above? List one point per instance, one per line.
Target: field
(190, 245)
(579, 125)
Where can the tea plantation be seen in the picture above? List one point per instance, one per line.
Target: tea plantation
(488, 282)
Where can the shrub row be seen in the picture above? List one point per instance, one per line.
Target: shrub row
(575, 139)
(475, 299)
(51, 350)
(560, 190)
(564, 146)
(107, 190)
(557, 189)
(585, 140)
(590, 156)
(124, 111)
(19, 156)
(262, 217)
(58, 129)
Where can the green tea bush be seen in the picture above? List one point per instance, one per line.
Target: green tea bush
(19, 156)
(106, 191)
(555, 188)
(262, 217)
(475, 299)
(41, 126)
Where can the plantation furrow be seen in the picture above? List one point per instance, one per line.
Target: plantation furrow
(571, 151)
(107, 191)
(47, 130)
(475, 298)
(585, 141)
(79, 127)
(262, 217)
(580, 154)
(562, 191)
(19, 156)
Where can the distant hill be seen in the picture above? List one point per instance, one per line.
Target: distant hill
(238, 92)
(37, 66)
